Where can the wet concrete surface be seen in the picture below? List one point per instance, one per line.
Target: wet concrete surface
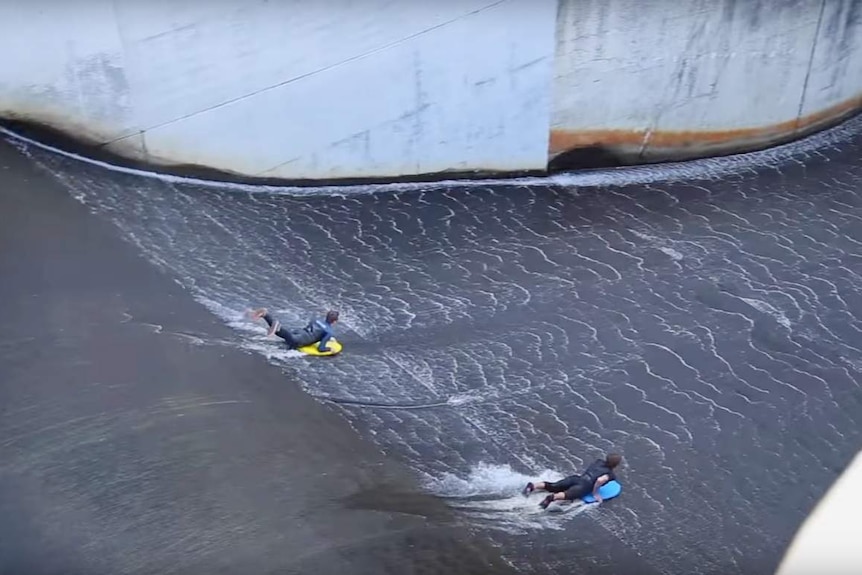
(701, 318)
(129, 446)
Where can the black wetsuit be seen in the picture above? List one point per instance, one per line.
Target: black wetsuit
(576, 486)
(317, 330)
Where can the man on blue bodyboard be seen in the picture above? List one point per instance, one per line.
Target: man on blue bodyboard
(317, 330)
(574, 487)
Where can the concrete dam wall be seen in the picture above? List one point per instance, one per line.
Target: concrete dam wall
(674, 80)
(381, 88)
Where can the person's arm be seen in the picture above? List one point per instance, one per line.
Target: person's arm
(327, 335)
(599, 482)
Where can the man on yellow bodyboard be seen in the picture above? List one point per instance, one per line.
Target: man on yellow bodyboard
(317, 331)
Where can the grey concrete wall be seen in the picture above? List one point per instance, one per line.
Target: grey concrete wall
(293, 89)
(667, 79)
(342, 89)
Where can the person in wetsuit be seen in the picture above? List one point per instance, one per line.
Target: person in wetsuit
(317, 330)
(574, 487)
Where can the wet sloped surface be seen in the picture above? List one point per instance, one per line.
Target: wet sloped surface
(130, 444)
(702, 319)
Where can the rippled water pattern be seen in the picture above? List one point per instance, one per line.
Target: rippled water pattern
(703, 319)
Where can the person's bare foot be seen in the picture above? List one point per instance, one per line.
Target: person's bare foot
(273, 328)
(257, 313)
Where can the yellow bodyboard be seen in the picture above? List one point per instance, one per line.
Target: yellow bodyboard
(333, 347)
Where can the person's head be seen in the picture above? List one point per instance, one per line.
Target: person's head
(613, 459)
(331, 316)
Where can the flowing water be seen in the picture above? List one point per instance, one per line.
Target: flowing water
(704, 319)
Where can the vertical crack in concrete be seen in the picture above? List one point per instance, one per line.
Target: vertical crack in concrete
(810, 64)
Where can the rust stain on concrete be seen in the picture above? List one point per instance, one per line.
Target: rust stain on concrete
(697, 143)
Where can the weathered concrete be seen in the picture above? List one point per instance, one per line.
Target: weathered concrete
(681, 79)
(289, 90)
(381, 89)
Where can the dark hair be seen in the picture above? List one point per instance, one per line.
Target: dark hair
(331, 316)
(613, 459)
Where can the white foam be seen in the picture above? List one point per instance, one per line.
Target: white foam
(769, 309)
(485, 479)
(256, 339)
(464, 398)
(675, 255)
(705, 169)
(491, 494)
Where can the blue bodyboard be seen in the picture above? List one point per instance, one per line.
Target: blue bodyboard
(608, 491)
